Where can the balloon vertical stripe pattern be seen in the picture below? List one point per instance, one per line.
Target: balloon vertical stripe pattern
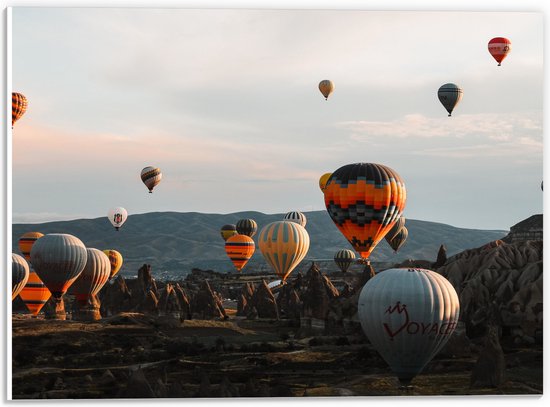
(19, 274)
(151, 177)
(283, 245)
(408, 315)
(344, 259)
(247, 227)
(364, 200)
(399, 224)
(115, 258)
(399, 240)
(95, 274)
(297, 217)
(240, 249)
(19, 105)
(58, 259)
(35, 294)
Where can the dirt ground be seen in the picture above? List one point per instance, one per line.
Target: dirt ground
(234, 358)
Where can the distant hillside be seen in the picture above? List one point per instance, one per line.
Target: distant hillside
(173, 243)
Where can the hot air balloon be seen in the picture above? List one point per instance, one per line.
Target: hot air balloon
(326, 87)
(395, 229)
(115, 258)
(58, 259)
(408, 315)
(449, 95)
(26, 242)
(297, 217)
(240, 249)
(19, 274)
(344, 258)
(499, 48)
(117, 216)
(95, 274)
(364, 201)
(247, 227)
(323, 180)
(18, 106)
(35, 294)
(399, 239)
(151, 177)
(284, 245)
(227, 231)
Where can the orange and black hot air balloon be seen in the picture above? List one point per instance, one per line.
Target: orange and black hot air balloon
(364, 201)
(18, 106)
(35, 293)
(26, 242)
(240, 249)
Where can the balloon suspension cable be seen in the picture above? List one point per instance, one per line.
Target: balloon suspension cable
(150, 191)
(326, 98)
(499, 64)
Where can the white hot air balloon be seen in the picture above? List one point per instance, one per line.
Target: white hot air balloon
(408, 314)
(117, 216)
(296, 216)
(19, 274)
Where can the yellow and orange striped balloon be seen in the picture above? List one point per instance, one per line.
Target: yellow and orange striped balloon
(284, 245)
(115, 258)
(19, 105)
(35, 294)
(240, 249)
(26, 241)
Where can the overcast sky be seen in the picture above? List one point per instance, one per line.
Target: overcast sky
(226, 103)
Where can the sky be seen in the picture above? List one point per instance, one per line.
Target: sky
(225, 102)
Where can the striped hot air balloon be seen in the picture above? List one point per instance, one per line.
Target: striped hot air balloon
(399, 240)
(19, 274)
(326, 87)
(19, 105)
(227, 231)
(499, 48)
(95, 274)
(449, 95)
(408, 315)
(364, 201)
(284, 245)
(26, 241)
(344, 258)
(395, 229)
(151, 177)
(247, 227)
(297, 217)
(35, 294)
(115, 258)
(58, 259)
(240, 249)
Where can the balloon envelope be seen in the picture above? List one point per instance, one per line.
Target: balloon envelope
(326, 87)
(364, 201)
(117, 217)
(228, 230)
(344, 258)
(399, 224)
(399, 240)
(58, 259)
(35, 294)
(297, 217)
(323, 180)
(19, 105)
(247, 227)
(408, 315)
(116, 260)
(26, 241)
(151, 177)
(499, 48)
(240, 249)
(449, 95)
(284, 245)
(95, 274)
(19, 274)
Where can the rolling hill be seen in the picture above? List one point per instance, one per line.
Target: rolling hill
(174, 242)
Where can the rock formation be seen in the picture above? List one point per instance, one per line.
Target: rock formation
(318, 294)
(490, 366)
(244, 299)
(205, 304)
(264, 302)
(115, 297)
(441, 257)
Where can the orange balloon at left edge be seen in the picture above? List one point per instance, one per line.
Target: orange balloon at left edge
(19, 105)
(240, 249)
(35, 294)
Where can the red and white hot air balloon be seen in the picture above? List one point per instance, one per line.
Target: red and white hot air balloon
(499, 48)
